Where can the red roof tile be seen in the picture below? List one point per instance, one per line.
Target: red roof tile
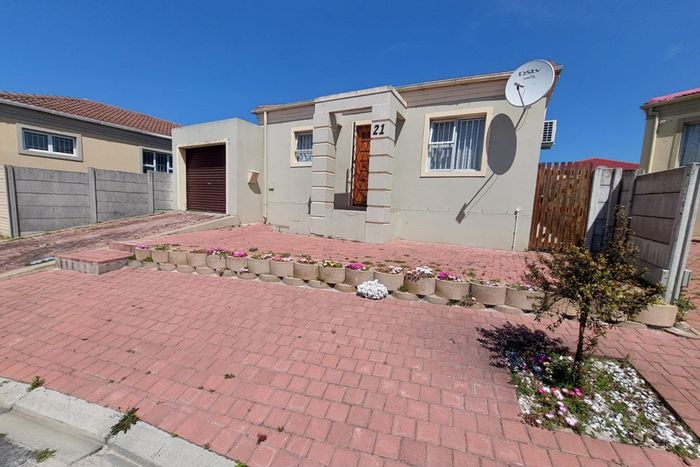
(85, 108)
(596, 162)
(675, 95)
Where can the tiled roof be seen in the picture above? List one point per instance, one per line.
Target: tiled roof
(675, 95)
(609, 163)
(88, 109)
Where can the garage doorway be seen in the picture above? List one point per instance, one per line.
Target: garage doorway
(206, 178)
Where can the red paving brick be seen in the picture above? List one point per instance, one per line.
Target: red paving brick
(490, 264)
(304, 363)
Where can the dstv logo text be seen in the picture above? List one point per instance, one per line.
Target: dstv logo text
(529, 72)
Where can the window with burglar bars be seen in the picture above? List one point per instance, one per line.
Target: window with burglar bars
(154, 161)
(456, 145)
(304, 145)
(39, 141)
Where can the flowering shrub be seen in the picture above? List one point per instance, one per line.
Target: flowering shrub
(281, 259)
(306, 260)
(239, 254)
(489, 283)
(161, 247)
(526, 287)
(198, 252)
(329, 263)
(448, 276)
(267, 255)
(372, 290)
(356, 267)
(419, 272)
(142, 246)
(390, 269)
(216, 250)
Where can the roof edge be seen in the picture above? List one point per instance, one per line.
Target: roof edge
(84, 119)
(674, 100)
(497, 76)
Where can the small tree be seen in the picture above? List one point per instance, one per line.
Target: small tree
(603, 287)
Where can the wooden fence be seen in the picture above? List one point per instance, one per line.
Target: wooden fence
(560, 210)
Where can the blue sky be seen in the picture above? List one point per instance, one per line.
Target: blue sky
(196, 61)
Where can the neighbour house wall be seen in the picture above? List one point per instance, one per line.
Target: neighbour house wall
(243, 141)
(103, 147)
(41, 200)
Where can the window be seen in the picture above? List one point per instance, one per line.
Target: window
(36, 141)
(690, 144)
(154, 161)
(301, 144)
(455, 145)
(302, 153)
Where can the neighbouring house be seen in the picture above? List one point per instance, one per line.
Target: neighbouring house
(672, 133)
(446, 161)
(74, 134)
(595, 162)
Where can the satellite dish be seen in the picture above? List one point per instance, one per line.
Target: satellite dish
(529, 83)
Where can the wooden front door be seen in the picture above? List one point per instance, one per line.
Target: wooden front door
(206, 178)
(361, 167)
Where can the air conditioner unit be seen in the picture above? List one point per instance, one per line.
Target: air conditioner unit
(549, 134)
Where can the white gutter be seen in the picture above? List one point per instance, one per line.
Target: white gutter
(84, 119)
(265, 184)
(655, 113)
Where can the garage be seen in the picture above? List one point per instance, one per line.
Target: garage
(206, 178)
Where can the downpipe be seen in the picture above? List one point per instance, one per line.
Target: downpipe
(515, 228)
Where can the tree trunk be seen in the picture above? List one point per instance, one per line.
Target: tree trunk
(578, 358)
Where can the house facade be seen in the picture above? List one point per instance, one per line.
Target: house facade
(73, 134)
(671, 131)
(446, 161)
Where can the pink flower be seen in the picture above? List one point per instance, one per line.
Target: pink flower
(239, 254)
(355, 266)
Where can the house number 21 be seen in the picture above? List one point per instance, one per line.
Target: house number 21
(378, 130)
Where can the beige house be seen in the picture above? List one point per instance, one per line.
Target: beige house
(72, 134)
(672, 131)
(446, 161)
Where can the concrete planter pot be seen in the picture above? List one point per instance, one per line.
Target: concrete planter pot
(451, 290)
(422, 286)
(216, 261)
(307, 272)
(282, 268)
(134, 263)
(259, 266)
(177, 257)
(150, 265)
(390, 281)
(332, 275)
(236, 263)
(565, 307)
(523, 299)
(404, 295)
(495, 295)
(355, 277)
(159, 256)
(658, 315)
(249, 276)
(142, 254)
(196, 260)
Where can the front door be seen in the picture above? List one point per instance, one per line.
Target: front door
(361, 167)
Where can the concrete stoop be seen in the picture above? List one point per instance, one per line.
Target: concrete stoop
(96, 262)
(79, 432)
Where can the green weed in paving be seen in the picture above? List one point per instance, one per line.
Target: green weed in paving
(37, 382)
(128, 419)
(44, 454)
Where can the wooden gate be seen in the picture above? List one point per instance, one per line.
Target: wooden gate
(560, 209)
(361, 167)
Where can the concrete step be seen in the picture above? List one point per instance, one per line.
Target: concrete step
(98, 261)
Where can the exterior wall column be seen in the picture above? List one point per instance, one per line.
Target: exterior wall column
(322, 172)
(381, 158)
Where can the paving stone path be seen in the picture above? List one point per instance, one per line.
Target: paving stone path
(328, 378)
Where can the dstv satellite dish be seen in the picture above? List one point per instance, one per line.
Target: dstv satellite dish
(529, 83)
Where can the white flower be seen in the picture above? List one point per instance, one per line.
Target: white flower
(373, 290)
(571, 421)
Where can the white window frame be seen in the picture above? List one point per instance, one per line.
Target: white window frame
(77, 155)
(472, 113)
(293, 146)
(171, 162)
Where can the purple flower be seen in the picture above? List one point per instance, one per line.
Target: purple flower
(142, 246)
(239, 254)
(355, 266)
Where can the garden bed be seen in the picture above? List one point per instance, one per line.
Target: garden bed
(613, 401)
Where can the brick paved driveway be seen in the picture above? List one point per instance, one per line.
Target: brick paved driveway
(17, 253)
(489, 264)
(347, 381)
(694, 286)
